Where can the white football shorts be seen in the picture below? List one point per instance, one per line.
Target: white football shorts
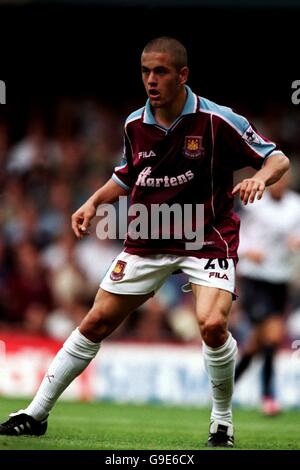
(135, 275)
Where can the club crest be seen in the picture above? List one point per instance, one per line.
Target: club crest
(193, 146)
(119, 270)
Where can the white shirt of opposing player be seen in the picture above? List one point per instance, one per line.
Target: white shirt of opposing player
(266, 226)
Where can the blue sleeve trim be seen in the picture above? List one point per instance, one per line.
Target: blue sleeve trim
(120, 183)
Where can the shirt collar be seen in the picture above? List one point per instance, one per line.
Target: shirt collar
(190, 107)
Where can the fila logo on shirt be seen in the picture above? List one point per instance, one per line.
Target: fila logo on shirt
(146, 154)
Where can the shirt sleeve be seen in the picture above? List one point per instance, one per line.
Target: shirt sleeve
(123, 174)
(244, 145)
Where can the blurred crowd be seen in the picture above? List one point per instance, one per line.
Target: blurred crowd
(48, 279)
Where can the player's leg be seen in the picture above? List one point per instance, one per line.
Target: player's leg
(260, 300)
(129, 282)
(256, 299)
(273, 334)
(251, 348)
(213, 285)
(108, 311)
(219, 349)
(252, 302)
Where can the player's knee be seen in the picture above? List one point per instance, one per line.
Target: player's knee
(214, 331)
(96, 325)
(274, 334)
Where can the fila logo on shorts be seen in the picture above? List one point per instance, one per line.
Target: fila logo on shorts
(218, 275)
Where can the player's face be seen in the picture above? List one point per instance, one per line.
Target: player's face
(162, 81)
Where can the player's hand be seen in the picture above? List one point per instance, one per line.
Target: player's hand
(81, 219)
(250, 188)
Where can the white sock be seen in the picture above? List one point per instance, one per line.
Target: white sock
(75, 355)
(220, 364)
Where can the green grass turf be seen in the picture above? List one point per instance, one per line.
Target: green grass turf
(107, 426)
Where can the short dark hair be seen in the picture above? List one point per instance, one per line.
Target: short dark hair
(170, 46)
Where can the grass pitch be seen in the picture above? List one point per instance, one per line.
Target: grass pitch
(107, 426)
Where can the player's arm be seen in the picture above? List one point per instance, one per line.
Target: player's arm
(273, 169)
(244, 147)
(120, 184)
(108, 193)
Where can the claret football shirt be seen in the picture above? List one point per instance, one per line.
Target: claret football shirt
(191, 163)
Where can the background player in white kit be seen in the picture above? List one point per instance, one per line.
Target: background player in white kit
(179, 148)
(270, 235)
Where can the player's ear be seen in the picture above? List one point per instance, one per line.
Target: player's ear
(184, 74)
